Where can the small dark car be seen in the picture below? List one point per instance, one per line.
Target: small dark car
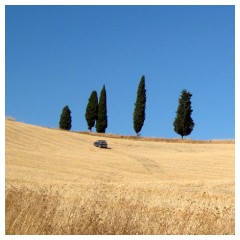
(100, 144)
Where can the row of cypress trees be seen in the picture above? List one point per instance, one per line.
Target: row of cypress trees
(183, 123)
(96, 112)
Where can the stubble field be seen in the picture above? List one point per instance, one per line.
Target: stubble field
(57, 182)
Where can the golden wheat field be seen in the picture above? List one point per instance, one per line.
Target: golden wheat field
(57, 182)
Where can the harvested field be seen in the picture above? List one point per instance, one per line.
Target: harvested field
(57, 182)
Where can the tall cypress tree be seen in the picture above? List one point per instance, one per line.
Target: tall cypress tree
(102, 119)
(183, 123)
(140, 105)
(65, 119)
(92, 110)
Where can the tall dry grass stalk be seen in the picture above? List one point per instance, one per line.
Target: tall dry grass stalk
(103, 209)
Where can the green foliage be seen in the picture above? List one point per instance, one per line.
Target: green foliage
(65, 119)
(102, 121)
(140, 105)
(91, 114)
(183, 123)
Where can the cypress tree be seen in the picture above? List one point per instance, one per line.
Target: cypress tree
(102, 120)
(92, 110)
(140, 105)
(183, 123)
(65, 119)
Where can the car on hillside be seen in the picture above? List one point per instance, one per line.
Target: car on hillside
(100, 144)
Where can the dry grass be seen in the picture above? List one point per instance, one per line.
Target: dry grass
(162, 209)
(58, 183)
(152, 139)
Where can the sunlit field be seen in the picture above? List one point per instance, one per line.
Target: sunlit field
(57, 182)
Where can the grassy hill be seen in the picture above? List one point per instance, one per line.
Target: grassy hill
(57, 182)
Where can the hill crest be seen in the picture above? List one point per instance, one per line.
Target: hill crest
(138, 138)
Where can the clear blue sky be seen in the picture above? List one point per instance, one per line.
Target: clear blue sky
(57, 55)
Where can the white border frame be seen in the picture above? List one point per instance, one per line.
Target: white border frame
(117, 2)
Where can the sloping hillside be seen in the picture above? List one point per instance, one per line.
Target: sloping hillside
(41, 154)
(152, 176)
